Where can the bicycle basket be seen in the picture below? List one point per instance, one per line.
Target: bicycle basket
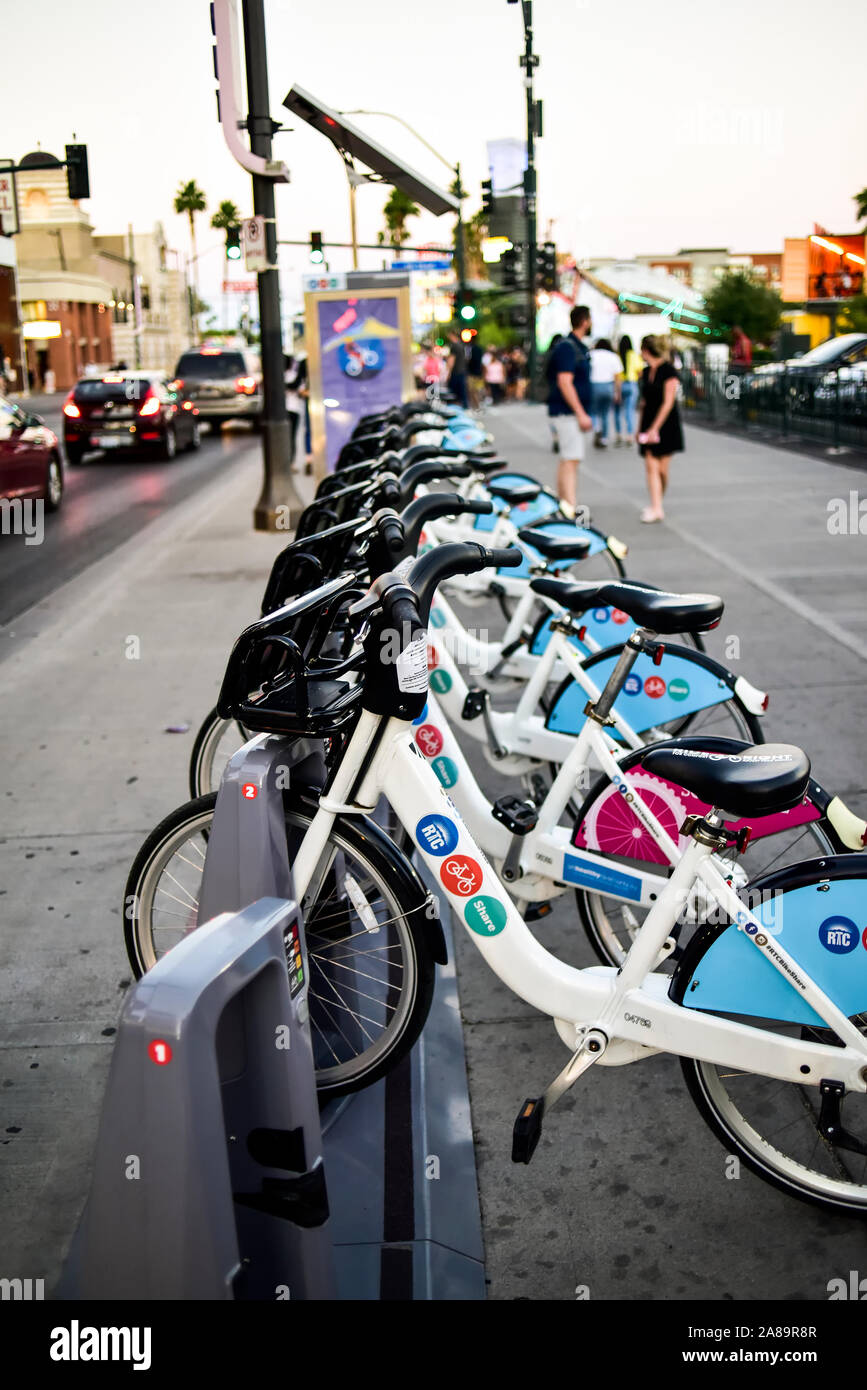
(278, 681)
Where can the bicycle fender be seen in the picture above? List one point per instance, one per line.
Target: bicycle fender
(405, 874)
(817, 911)
(684, 682)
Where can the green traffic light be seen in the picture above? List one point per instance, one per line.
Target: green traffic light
(468, 311)
(233, 253)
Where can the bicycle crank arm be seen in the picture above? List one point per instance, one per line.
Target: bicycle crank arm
(527, 1129)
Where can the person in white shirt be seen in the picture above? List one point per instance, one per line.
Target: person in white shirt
(606, 376)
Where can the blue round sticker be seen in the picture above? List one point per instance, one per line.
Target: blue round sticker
(422, 717)
(839, 934)
(632, 685)
(601, 615)
(437, 618)
(437, 834)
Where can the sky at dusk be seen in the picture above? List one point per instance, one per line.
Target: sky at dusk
(668, 125)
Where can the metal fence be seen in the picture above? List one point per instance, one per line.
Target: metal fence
(828, 406)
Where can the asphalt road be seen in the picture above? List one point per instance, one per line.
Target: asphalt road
(106, 501)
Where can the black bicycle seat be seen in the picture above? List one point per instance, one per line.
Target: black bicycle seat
(514, 493)
(747, 781)
(651, 608)
(555, 547)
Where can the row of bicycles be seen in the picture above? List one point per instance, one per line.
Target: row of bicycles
(722, 887)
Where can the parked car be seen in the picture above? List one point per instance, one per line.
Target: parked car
(126, 410)
(225, 383)
(845, 351)
(30, 457)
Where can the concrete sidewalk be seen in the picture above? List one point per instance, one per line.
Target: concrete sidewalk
(627, 1195)
(92, 680)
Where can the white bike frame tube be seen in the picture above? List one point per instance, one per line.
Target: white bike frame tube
(643, 1014)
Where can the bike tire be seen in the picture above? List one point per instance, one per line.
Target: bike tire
(397, 973)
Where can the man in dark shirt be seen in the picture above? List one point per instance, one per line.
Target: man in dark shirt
(457, 365)
(569, 402)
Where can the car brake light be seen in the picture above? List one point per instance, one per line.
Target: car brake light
(247, 384)
(71, 410)
(151, 405)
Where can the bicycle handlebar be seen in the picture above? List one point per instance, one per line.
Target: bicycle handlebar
(424, 509)
(446, 561)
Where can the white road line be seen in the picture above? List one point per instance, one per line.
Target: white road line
(765, 585)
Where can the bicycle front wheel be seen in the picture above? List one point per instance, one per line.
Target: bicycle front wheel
(217, 740)
(370, 960)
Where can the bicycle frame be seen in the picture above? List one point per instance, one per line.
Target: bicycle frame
(630, 1005)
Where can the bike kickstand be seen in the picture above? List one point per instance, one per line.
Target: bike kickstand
(527, 1129)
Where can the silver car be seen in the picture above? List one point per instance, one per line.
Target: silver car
(225, 383)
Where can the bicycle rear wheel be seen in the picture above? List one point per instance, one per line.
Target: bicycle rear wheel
(371, 963)
(773, 1126)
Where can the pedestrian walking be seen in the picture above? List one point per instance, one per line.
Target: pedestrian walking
(475, 374)
(495, 376)
(294, 381)
(606, 374)
(457, 367)
(659, 431)
(742, 349)
(624, 409)
(570, 398)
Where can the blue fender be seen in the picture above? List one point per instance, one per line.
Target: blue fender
(684, 682)
(816, 910)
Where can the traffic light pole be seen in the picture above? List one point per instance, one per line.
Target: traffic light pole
(278, 496)
(529, 61)
(459, 238)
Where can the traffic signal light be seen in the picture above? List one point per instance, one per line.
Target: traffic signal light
(466, 310)
(509, 263)
(77, 177)
(487, 196)
(317, 255)
(548, 266)
(233, 243)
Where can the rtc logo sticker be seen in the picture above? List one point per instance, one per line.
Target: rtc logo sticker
(654, 686)
(618, 616)
(437, 834)
(486, 916)
(429, 740)
(839, 935)
(446, 770)
(441, 682)
(461, 875)
(678, 689)
(632, 685)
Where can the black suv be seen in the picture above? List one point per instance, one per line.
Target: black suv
(125, 410)
(225, 383)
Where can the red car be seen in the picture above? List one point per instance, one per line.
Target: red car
(30, 459)
(126, 410)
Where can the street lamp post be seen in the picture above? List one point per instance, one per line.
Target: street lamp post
(459, 193)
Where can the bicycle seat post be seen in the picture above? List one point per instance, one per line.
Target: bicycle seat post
(601, 709)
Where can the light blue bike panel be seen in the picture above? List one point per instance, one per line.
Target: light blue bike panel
(600, 625)
(823, 930)
(464, 439)
(651, 695)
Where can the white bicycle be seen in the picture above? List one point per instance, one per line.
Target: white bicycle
(766, 1008)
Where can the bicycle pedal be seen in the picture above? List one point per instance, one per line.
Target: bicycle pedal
(519, 817)
(534, 911)
(527, 1130)
(475, 703)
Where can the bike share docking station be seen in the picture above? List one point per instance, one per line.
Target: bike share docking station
(215, 1177)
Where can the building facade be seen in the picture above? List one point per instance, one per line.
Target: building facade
(87, 300)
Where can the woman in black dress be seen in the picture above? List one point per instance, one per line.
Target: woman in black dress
(659, 432)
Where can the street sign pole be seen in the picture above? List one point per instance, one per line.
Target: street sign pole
(278, 494)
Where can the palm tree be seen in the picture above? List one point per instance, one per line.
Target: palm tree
(226, 216)
(397, 209)
(190, 199)
(861, 204)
